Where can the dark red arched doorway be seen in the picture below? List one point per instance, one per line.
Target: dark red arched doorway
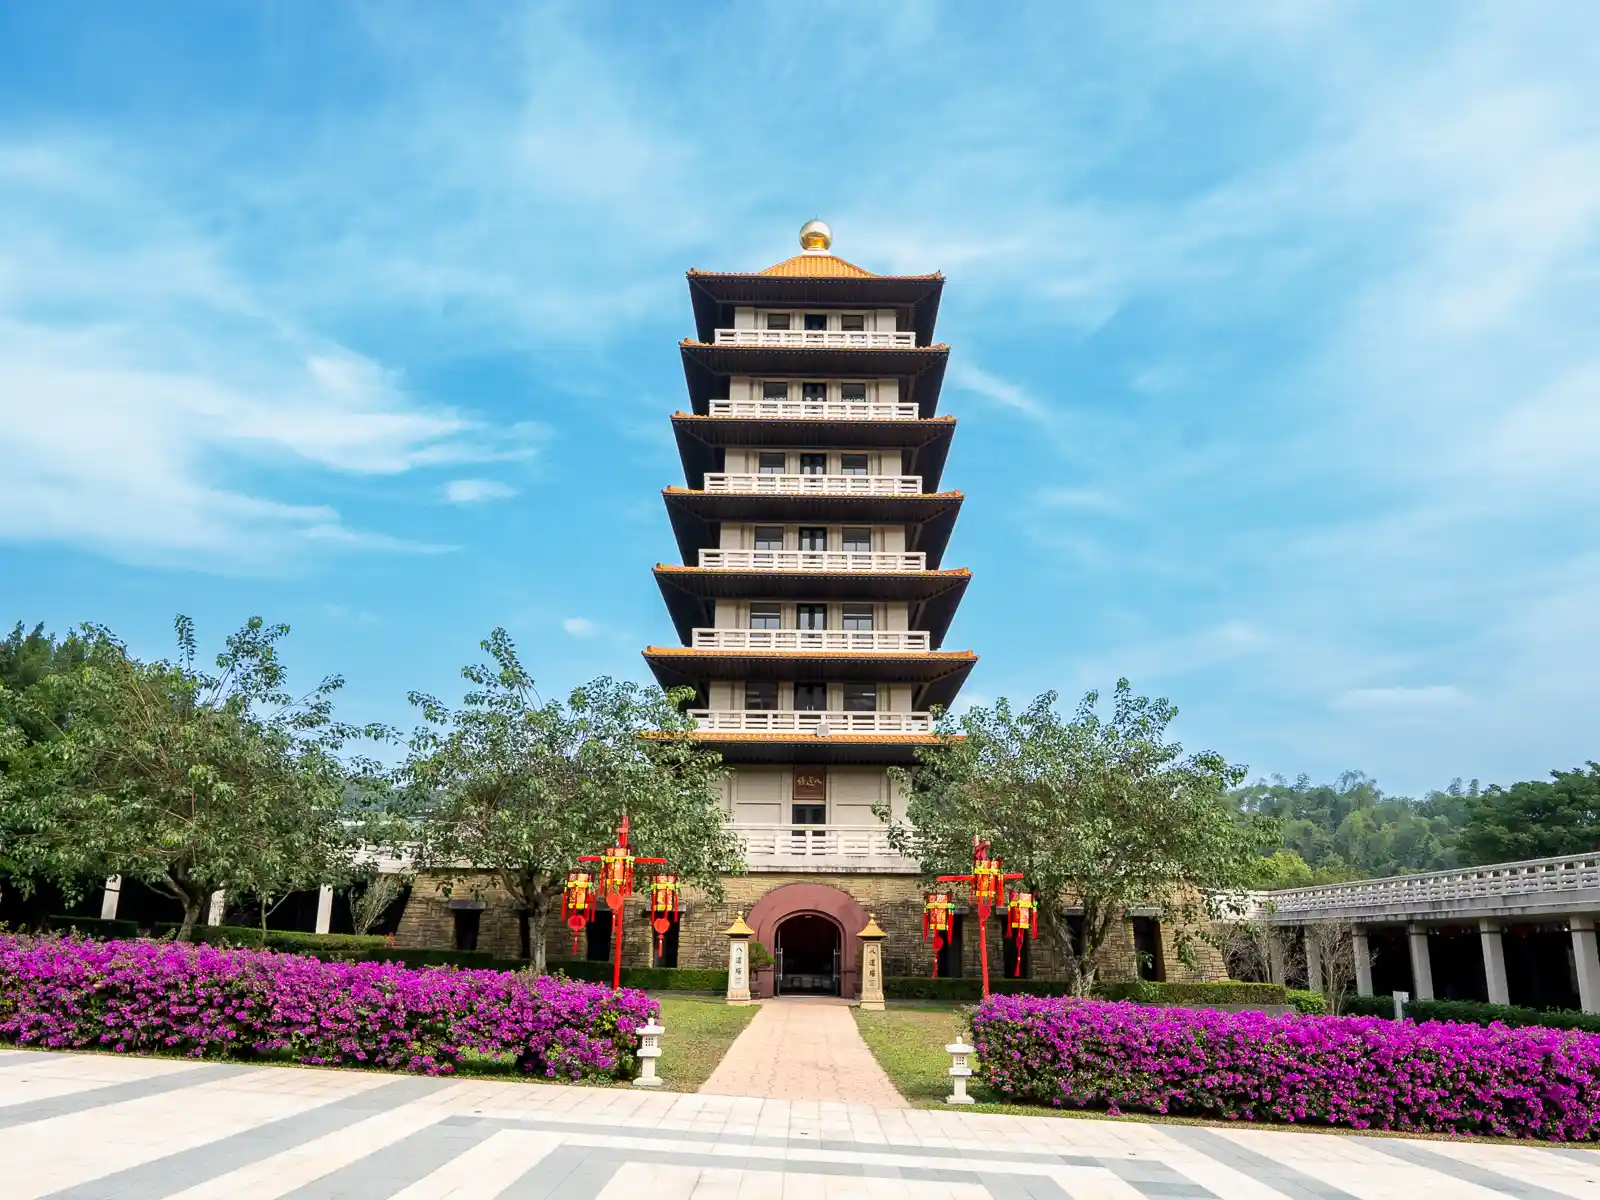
(807, 958)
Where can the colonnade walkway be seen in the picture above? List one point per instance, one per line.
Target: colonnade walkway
(104, 1127)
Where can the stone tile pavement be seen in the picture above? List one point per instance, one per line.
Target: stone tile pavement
(803, 1048)
(101, 1127)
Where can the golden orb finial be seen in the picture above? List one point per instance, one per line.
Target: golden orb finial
(815, 237)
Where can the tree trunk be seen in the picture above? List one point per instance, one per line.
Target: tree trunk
(536, 899)
(191, 895)
(192, 908)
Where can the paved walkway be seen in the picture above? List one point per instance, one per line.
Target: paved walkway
(102, 1127)
(803, 1048)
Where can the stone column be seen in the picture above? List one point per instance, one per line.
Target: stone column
(872, 964)
(1276, 968)
(1313, 960)
(325, 908)
(1586, 961)
(739, 935)
(1494, 961)
(1363, 957)
(1421, 967)
(109, 898)
(218, 906)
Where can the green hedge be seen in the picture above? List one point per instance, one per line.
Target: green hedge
(651, 979)
(1310, 1004)
(1472, 1012)
(1143, 991)
(95, 927)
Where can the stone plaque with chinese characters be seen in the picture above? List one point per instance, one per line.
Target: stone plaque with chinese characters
(810, 786)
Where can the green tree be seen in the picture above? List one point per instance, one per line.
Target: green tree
(1098, 814)
(519, 787)
(1535, 819)
(187, 780)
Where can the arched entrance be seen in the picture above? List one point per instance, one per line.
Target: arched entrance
(814, 899)
(806, 960)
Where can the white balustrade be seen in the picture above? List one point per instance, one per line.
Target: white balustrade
(827, 485)
(740, 720)
(811, 639)
(818, 410)
(811, 560)
(827, 339)
(767, 844)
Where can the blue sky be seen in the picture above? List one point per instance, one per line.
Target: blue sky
(1273, 328)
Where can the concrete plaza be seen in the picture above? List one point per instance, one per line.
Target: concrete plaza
(102, 1127)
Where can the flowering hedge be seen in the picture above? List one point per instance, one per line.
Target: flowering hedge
(212, 1002)
(1360, 1072)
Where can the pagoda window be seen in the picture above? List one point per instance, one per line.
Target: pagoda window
(766, 616)
(769, 537)
(857, 540)
(817, 321)
(760, 695)
(853, 391)
(811, 697)
(811, 616)
(814, 391)
(813, 538)
(855, 464)
(812, 464)
(775, 389)
(772, 462)
(777, 320)
(860, 697)
(853, 322)
(858, 617)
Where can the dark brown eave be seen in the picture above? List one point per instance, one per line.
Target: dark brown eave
(840, 749)
(707, 367)
(937, 676)
(701, 440)
(929, 517)
(691, 593)
(716, 294)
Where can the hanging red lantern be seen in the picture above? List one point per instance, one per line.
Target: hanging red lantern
(577, 903)
(1022, 919)
(937, 908)
(664, 894)
(616, 876)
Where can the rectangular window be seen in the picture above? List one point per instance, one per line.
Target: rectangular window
(664, 951)
(467, 922)
(808, 814)
(855, 464)
(853, 391)
(816, 321)
(813, 538)
(861, 697)
(814, 391)
(766, 616)
(760, 695)
(857, 540)
(852, 322)
(769, 537)
(811, 697)
(777, 320)
(597, 942)
(811, 616)
(772, 462)
(1147, 949)
(775, 389)
(813, 464)
(858, 617)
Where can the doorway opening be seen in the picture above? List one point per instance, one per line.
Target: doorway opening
(807, 959)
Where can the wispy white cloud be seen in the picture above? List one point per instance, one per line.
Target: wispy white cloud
(475, 491)
(1401, 701)
(580, 627)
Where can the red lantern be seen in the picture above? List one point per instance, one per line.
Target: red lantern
(1022, 918)
(577, 903)
(663, 907)
(936, 921)
(616, 876)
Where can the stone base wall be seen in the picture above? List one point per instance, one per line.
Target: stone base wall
(896, 901)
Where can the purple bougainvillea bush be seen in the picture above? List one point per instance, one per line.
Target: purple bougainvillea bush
(1359, 1072)
(209, 1002)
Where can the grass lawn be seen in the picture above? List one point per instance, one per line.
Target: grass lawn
(908, 1040)
(699, 1031)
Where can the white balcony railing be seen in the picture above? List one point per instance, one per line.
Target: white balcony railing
(826, 485)
(825, 338)
(811, 560)
(795, 847)
(866, 640)
(818, 410)
(738, 720)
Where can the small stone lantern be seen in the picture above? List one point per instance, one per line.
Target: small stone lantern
(649, 1050)
(739, 935)
(960, 1072)
(872, 964)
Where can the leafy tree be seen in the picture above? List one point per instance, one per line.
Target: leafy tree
(520, 787)
(1099, 814)
(187, 780)
(1535, 819)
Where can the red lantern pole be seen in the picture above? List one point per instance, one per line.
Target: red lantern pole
(988, 884)
(616, 877)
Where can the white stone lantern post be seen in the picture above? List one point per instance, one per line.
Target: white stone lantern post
(739, 935)
(872, 965)
(960, 1072)
(649, 1050)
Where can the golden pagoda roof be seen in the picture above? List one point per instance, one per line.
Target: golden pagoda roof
(818, 266)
